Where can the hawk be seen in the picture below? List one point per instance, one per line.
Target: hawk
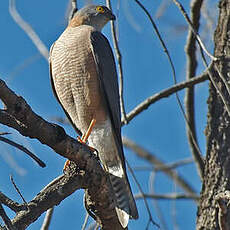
(84, 81)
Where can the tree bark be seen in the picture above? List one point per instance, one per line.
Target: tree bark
(213, 206)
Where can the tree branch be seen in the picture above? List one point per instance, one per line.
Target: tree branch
(88, 173)
(120, 68)
(171, 196)
(47, 219)
(190, 50)
(144, 154)
(182, 10)
(164, 93)
(28, 30)
(13, 205)
(6, 219)
(25, 150)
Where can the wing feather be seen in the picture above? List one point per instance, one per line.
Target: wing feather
(107, 73)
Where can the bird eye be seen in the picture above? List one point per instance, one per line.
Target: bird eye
(100, 9)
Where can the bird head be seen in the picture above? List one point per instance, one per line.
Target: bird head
(93, 15)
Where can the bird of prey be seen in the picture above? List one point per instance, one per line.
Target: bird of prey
(84, 81)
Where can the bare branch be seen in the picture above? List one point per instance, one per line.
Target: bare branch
(88, 171)
(47, 219)
(25, 150)
(166, 166)
(6, 219)
(158, 211)
(141, 191)
(171, 196)
(17, 189)
(144, 154)
(165, 93)
(14, 206)
(182, 10)
(174, 164)
(120, 68)
(190, 50)
(28, 30)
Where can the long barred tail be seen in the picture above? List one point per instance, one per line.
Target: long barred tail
(126, 206)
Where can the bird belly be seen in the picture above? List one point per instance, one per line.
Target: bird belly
(102, 139)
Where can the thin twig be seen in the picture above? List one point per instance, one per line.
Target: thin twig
(174, 211)
(17, 189)
(170, 196)
(165, 93)
(190, 50)
(174, 164)
(144, 154)
(4, 133)
(6, 219)
(25, 150)
(141, 191)
(182, 10)
(28, 30)
(47, 219)
(120, 68)
(85, 221)
(169, 166)
(156, 205)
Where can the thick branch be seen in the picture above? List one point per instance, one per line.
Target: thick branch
(14, 206)
(89, 173)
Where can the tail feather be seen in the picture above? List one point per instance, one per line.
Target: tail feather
(126, 206)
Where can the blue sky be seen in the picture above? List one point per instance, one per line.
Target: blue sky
(160, 129)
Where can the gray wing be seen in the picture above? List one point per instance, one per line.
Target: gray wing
(107, 73)
(55, 94)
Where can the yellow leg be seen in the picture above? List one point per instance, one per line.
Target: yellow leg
(83, 140)
(88, 132)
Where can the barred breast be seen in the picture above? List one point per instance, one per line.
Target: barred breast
(75, 77)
